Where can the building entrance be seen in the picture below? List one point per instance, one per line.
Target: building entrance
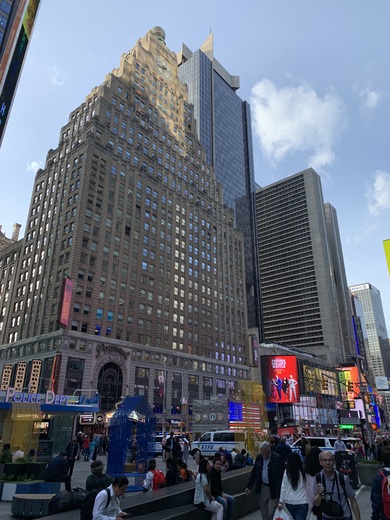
(110, 382)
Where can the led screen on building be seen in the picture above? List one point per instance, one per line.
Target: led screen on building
(66, 298)
(280, 379)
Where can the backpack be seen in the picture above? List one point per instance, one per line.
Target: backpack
(385, 494)
(88, 503)
(158, 479)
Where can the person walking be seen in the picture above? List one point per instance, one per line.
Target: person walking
(376, 487)
(330, 486)
(72, 451)
(226, 500)
(283, 449)
(267, 476)
(311, 468)
(164, 447)
(86, 450)
(293, 493)
(339, 445)
(203, 497)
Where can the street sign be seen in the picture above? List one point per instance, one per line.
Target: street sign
(349, 420)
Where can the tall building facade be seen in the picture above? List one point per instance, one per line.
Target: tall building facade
(17, 19)
(297, 286)
(344, 306)
(129, 246)
(374, 318)
(224, 129)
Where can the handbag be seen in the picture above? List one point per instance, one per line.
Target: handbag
(281, 515)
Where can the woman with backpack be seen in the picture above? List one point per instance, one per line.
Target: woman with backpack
(293, 493)
(154, 479)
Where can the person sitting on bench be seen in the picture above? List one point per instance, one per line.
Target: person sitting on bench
(57, 471)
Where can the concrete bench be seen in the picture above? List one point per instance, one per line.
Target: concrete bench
(31, 505)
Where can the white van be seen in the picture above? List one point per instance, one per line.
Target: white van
(324, 443)
(210, 442)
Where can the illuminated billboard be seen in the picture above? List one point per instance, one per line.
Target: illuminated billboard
(280, 379)
(319, 381)
(12, 62)
(66, 298)
(349, 383)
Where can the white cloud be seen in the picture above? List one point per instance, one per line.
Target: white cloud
(55, 76)
(378, 193)
(297, 119)
(369, 98)
(34, 166)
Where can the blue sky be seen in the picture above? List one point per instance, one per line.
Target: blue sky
(315, 72)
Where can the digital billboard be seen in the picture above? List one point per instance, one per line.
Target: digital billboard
(280, 379)
(319, 381)
(15, 61)
(66, 298)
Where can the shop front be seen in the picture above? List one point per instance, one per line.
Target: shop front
(43, 423)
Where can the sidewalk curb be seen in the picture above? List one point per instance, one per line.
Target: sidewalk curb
(360, 491)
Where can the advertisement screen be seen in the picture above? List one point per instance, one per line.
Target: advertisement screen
(66, 299)
(280, 379)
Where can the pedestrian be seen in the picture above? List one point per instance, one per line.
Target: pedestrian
(169, 446)
(226, 500)
(164, 447)
(92, 449)
(330, 486)
(86, 450)
(57, 471)
(339, 445)
(283, 449)
(112, 510)
(72, 451)
(176, 448)
(185, 446)
(376, 487)
(203, 497)
(311, 468)
(267, 476)
(98, 479)
(378, 446)
(293, 493)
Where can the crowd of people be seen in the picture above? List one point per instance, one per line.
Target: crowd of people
(301, 482)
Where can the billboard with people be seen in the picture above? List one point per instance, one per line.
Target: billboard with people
(280, 379)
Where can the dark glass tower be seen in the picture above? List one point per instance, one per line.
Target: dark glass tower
(223, 122)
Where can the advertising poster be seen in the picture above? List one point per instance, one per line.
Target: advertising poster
(280, 379)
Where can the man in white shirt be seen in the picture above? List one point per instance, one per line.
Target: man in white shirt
(339, 445)
(112, 510)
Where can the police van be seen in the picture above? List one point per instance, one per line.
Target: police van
(324, 443)
(210, 442)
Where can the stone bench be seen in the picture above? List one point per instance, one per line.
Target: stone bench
(31, 505)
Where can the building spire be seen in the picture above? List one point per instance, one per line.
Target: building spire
(208, 46)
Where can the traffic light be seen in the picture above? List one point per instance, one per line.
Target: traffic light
(350, 386)
(324, 384)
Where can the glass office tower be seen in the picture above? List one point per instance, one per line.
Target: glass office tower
(223, 126)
